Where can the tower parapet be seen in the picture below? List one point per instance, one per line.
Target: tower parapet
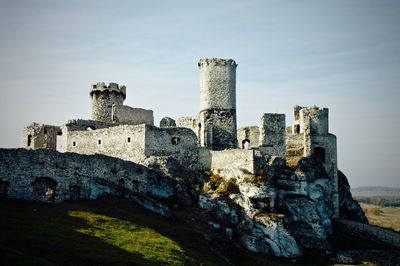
(112, 87)
(104, 98)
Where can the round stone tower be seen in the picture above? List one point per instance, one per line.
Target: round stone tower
(104, 99)
(217, 116)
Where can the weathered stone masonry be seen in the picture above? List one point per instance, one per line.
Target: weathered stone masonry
(208, 140)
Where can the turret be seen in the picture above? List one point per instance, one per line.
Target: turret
(104, 98)
(217, 116)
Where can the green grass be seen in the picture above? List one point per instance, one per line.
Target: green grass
(108, 232)
(115, 232)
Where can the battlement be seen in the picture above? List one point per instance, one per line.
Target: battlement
(216, 62)
(112, 87)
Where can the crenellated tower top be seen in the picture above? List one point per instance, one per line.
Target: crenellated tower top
(217, 62)
(100, 87)
(104, 98)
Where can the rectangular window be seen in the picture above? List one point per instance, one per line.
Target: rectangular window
(74, 143)
(129, 139)
(99, 142)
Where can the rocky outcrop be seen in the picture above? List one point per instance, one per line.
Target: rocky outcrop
(280, 212)
(53, 177)
(305, 197)
(348, 207)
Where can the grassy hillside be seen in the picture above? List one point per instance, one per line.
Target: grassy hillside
(108, 232)
(387, 217)
(117, 232)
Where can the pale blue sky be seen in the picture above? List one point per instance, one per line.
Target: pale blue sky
(344, 55)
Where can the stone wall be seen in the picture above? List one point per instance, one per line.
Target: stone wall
(187, 121)
(167, 122)
(272, 135)
(122, 114)
(217, 129)
(243, 159)
(135, 143)
(249, 135)
(126, 142)
(39, 136)
(314, 118)
(324, 147)
(50, 176)
(179, 143)
(83, 125)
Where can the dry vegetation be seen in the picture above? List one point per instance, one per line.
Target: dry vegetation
(220, 185)
(387, 217)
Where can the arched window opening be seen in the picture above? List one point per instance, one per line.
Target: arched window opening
(319, 153)
(245, 144)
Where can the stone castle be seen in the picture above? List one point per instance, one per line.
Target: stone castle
(207, 141)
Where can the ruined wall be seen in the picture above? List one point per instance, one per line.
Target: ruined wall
(122, 114)
(328, 154)
(243, 159)
(50, 176)
(78, 125)
(179, 143)
(167, 122)
(39, 136)
(216, 127)
(314, 120)
(83, 125)
(249, 134)
(136, 142)
(125, 142)
(272, 139)
(217, 103)
(104, 98)
(187, 121)
(310, 137)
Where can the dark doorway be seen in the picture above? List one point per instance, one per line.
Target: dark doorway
(245, 144)
(29, 140)
(44, 189)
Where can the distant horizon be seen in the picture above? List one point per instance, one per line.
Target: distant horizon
(341, 55)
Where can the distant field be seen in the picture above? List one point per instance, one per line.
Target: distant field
(388, 217)
(375, 191)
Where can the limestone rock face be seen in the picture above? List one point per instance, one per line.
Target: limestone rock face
(280, 213)
(348, 207)
(305, 198)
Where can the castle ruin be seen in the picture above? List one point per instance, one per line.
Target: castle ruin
(207, 141)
